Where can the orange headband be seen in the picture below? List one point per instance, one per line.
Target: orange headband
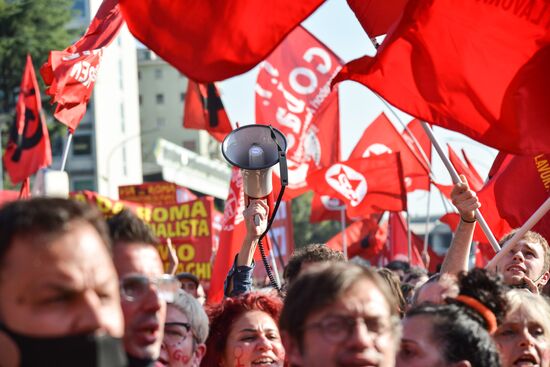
(486, 313)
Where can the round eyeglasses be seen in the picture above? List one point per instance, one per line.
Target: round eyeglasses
(133, 287)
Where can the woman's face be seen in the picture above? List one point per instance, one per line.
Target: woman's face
(522, 341)
(417, 347)
(254, 340)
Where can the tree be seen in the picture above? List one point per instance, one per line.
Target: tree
(306, 232)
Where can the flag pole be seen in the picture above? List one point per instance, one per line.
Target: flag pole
(427, 228)
(456, 179)
(343, 224)
(537, 215)
(66, 152)
(409, 239)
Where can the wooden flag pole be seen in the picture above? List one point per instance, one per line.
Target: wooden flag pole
(343, 224)
(427, 228)
(66, 151)
(456, 179)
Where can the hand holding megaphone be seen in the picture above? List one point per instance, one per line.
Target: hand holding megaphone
(255, 217)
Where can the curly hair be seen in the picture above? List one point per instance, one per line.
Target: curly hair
(314, 253)
(223, 315)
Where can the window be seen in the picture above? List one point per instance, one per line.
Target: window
(140, 99)
(158, 73)
(182, 97)
(82, 145)
(160, 98)
(83, 184)
(190, 144)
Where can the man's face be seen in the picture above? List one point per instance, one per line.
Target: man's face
(368, 342)
(189, 286)
(64, 287)
(144, 316)
(523, 259)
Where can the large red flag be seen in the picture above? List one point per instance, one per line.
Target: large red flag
(477, 67)
(71, 73)
(382, 137)
(204, 110)
(293, 94)
(365, 185)
(214, 40)
(376, 16)
(28, 147)
(475, 182)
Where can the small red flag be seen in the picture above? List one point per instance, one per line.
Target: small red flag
(397, 248)
(474, 181)
(71, 73)
(365, 185)
(324, 207)
(28, 147)
(376, 16)
(476, 67)
(365, 238)
(213, 40)
(382, 137)
(471, 166)
(204, 110)
(293, 95)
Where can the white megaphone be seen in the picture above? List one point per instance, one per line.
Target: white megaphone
(255, 149)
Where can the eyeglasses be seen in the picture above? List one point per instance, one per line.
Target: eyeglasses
(175, 332)
(134, 287)
(336, 329)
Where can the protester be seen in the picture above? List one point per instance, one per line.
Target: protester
(305, 257)
(340, 314)
(244, 332)
(189, 283)
(525, 264)
(59, 300)
(144, 288)
(185, 332)
(416, 276)
(392, 279)
(398, 267)
(523, 337)
(457, 333)
(436, 289)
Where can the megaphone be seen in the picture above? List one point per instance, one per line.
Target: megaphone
(255, 149)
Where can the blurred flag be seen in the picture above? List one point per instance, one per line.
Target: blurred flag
(324, 207)
(365, 238)
(377, 16)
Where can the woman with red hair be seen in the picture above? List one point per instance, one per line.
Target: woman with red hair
(244, 332)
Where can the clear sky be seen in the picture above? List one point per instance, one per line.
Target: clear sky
(336, 26)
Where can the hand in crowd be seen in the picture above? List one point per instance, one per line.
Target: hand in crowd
(259, 209)
(465, 200)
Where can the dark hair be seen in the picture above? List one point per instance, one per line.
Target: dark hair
(314, 253)
(322, 286)
(398, 265)
(395, 286)
(414, 273)
(43, 219)
(224, 315)
(457, 335)
(126, 227)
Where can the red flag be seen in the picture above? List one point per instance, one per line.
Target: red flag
(382, 137)
(365, 238)
(471, 166)
(204, 110)
(214, 40)
(420, 182)
(397, 248)
(293, 94)
(474, 181)
(376, 16)
(28, 147)
(71, 74)
(7, 196)
(324, 207)
(477, 67)
(365, 185)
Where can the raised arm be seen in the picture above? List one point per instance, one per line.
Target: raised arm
(466, 202)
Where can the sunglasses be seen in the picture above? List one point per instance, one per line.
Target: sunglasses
(134, 287)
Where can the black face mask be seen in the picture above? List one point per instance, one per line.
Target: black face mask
(69, 351)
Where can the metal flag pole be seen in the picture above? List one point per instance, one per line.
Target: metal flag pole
(456, 179)
(66, 151)
(343, 224)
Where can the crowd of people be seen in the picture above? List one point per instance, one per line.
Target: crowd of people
(78, 291)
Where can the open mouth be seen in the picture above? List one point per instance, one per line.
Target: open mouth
(264, 361)
(526, 360)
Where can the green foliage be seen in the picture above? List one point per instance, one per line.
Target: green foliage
(306, 232)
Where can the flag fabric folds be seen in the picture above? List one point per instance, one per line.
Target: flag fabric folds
(71, 74)
(365, 185)
(377, 16)
(365, 238)
(324, 207)
(214, 40)
(204, 110)
(476, 67)
(382, 137)
(28, 147)
(474, 180)
(293, 94)
(397, 248)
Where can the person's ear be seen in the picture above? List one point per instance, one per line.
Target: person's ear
(292, 349)
(199, 352)
(544, 279)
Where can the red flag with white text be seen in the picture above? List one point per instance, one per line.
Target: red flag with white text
(214, 40)
(28, 147)
(365, 185)
(476, 67)
(204, 110)
(382, 137)
(293, 94)
(71, 74)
